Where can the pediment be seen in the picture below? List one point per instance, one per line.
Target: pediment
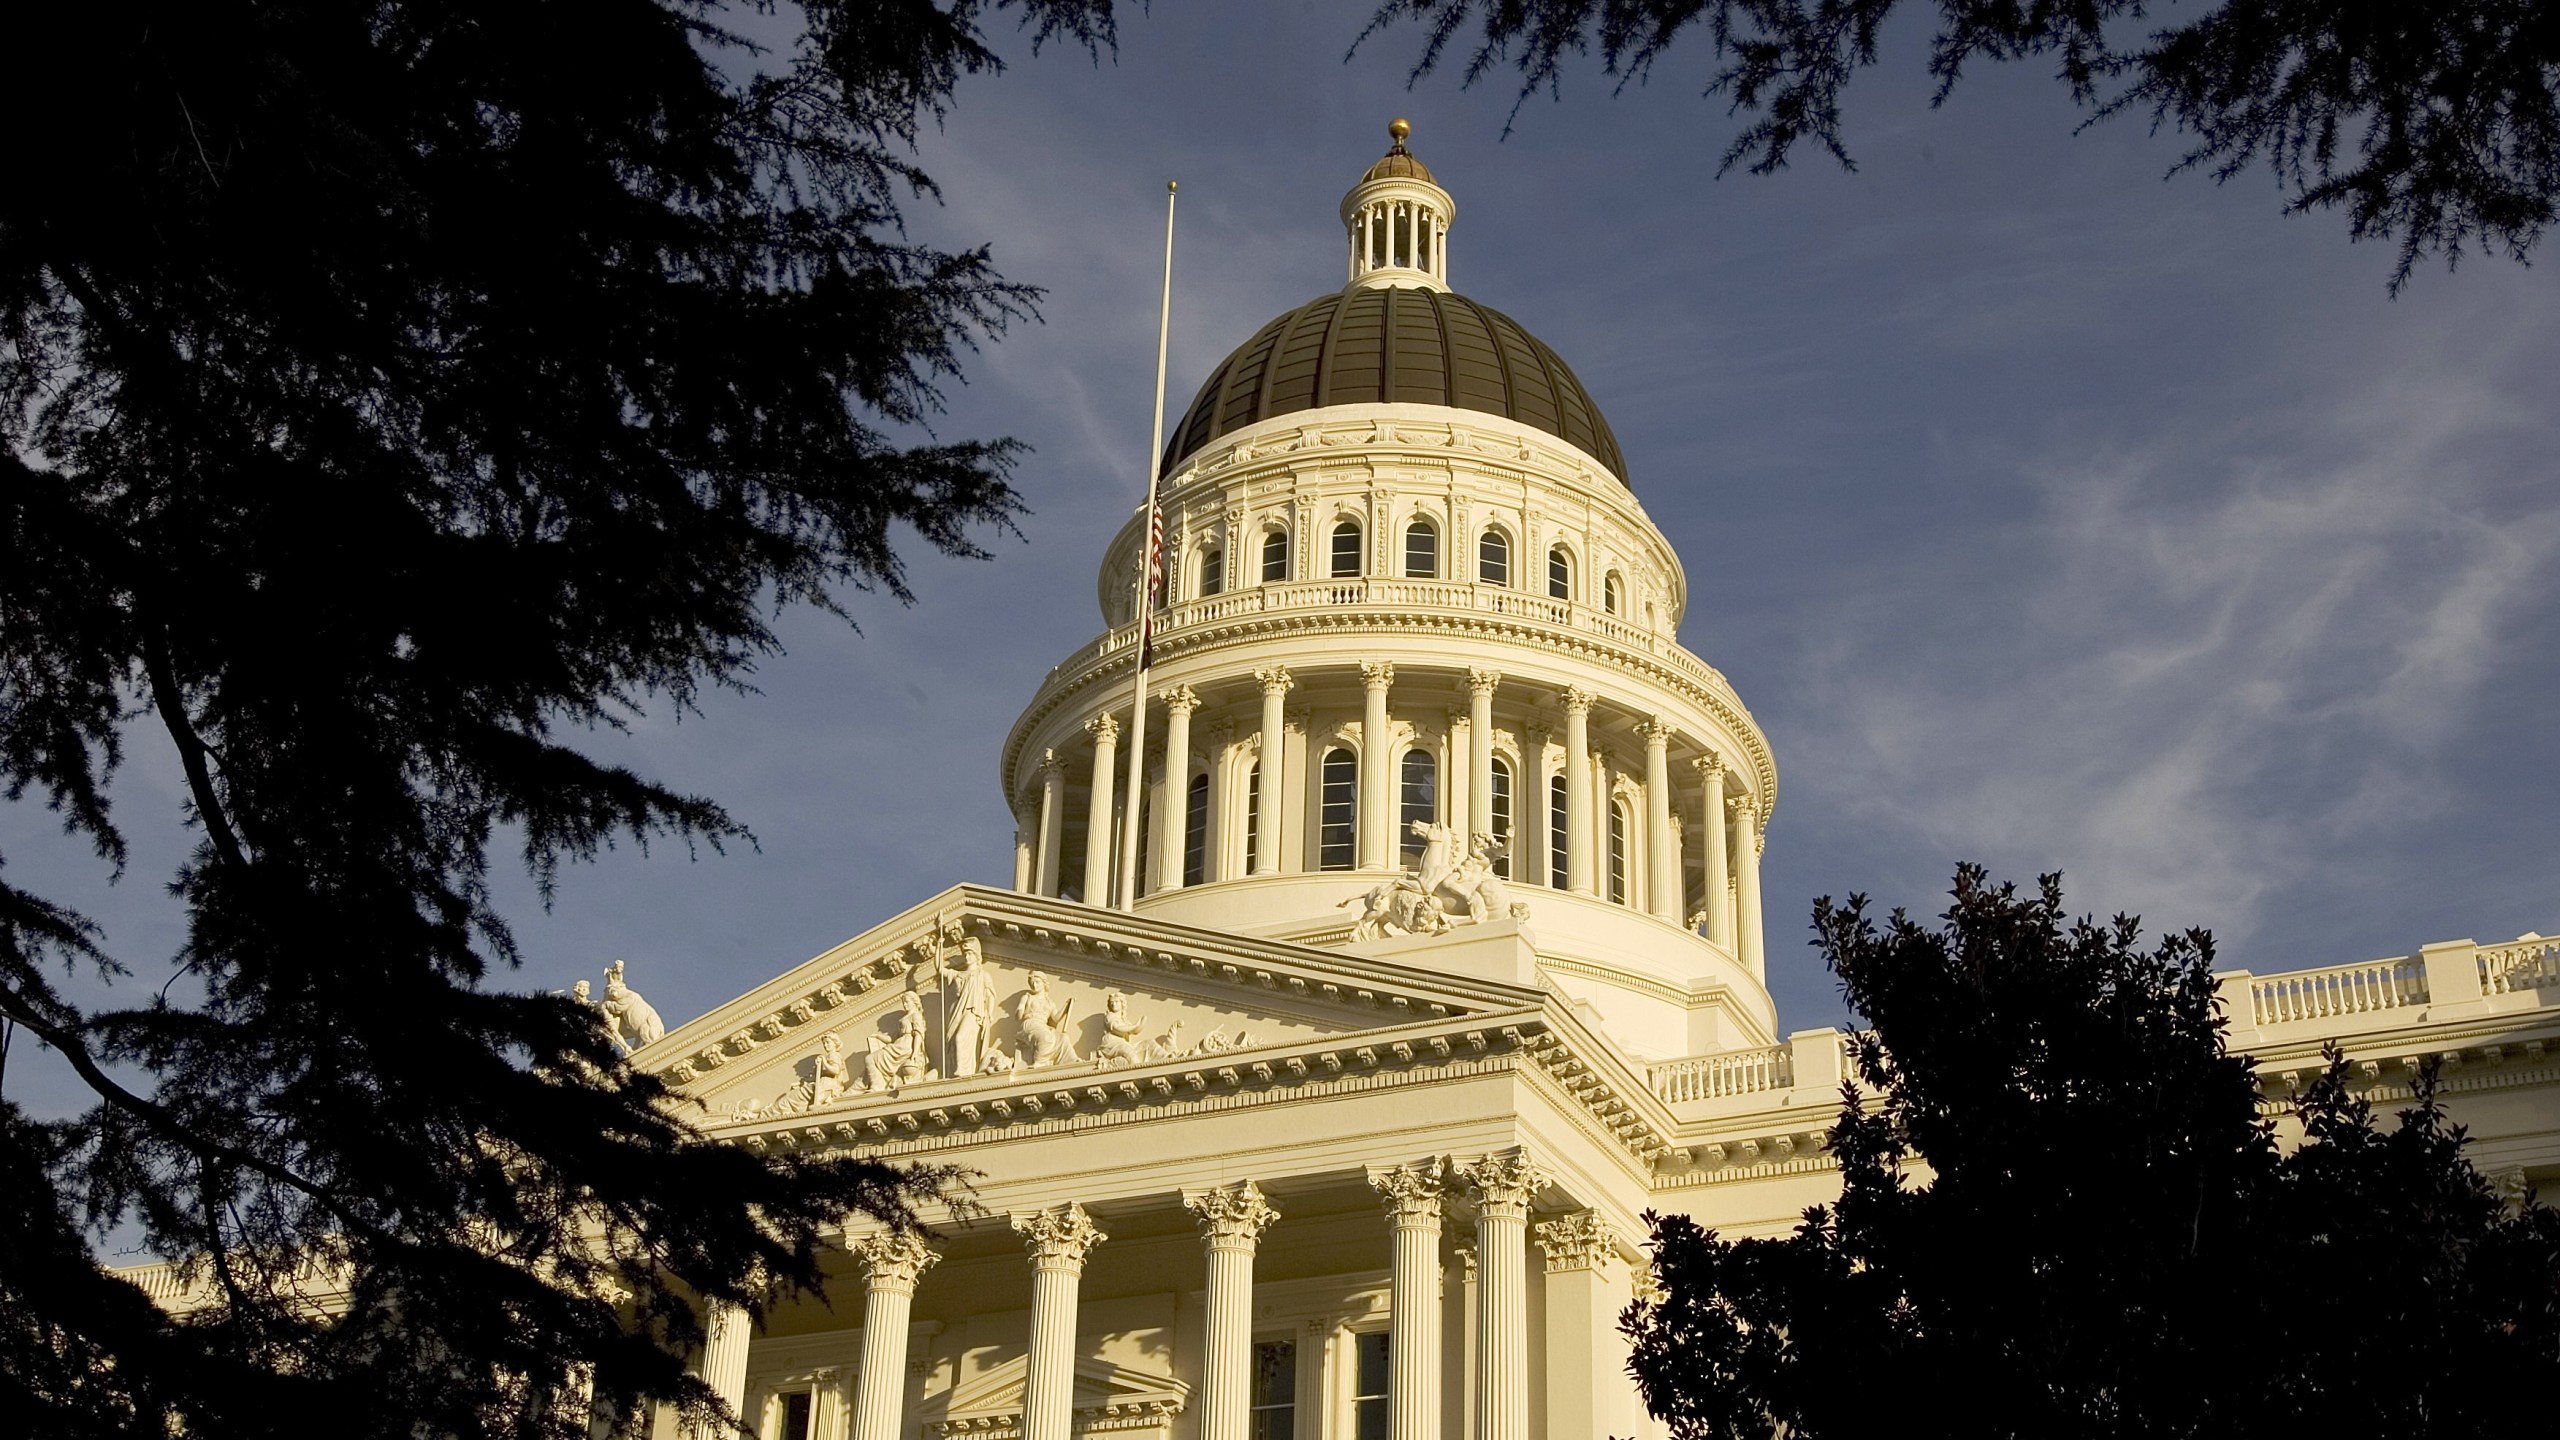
(892, 1010)
(1104, 1389)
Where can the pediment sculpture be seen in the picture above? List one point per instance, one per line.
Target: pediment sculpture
(1441, 888)
(630, 1020)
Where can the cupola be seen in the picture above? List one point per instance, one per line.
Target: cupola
(1397, 220)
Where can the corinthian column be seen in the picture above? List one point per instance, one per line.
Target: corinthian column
(891, 1265)
(1586, 1358)
(1746, 887)
(1232, 1220)
(1412, 1195)
(724, 1353)
(1053, 822)
(1105, 731)
(1711, 826)
(1377, 769)
(1025, 844)
(1173, 817)
(1662, 861)
(1058, 1240)
(1480, 685)
(1504, 1185)
(1266, 835)
(1577, 789)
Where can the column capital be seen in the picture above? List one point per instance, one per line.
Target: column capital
(1061, 1237)
(894, 1260)
(1221, 732)
(1657, 732)
(1412, 1193)
(1579, 1241)
(1275, 679)
(1709, 766)
(1231, 1216)
(1050, 763)
(1578, 701)
(1105, 729)
(1181, 700)
(1482, 682)
(1377, 674)
(1742, 807)
(1505, 1182)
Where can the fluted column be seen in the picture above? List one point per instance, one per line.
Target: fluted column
(1266, 839)
(1746, 887)
(1220, 862)
(1662, 860)
(1053, 822)
(1026, 845)
(1377, 769)
(1173, 817)
(1601, 809)
(726, 1326)
(1058, 1240)
(1232, 1219)
(1535, 825)
(1715, 865)
(1412, 1194)
(891, 1265)
(1480, 685)
(1503, 1184)
(1577, 790)
(1105, 731)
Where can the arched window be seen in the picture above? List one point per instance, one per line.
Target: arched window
(1559, 574)
(1493, 558)
(1617, 854)
(1346, 550)
(1421, 551)
(1275, 557)
(1213, 571)
(1611, 593)
(1420, 794)
(1252, 815)
(1557, 839)
(1195, 830)
(1336, 842)
(1502, 817)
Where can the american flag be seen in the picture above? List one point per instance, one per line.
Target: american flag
(1154, 589)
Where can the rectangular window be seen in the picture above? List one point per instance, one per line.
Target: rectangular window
(1421, 800)
(1618, 854)
(1337, 841)
(1252, 815)
(1213, 571)
(1346, 551)
(798, 1413)
(1275, 1391)
(1421, 552)
(1195, 831)
(1502, 817)
(1275, 558)
(1370, 1406)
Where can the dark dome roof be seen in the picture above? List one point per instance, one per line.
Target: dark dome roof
(1395, 344)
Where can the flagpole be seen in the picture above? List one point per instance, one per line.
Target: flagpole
(1150, 564)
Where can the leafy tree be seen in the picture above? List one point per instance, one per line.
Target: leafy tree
(391, 392)
(2437, 124)
(2063, 1213)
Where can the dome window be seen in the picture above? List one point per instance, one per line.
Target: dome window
(1346, 550)
(1340, 820)
(1502, 817)
(1559, 574)
(1612, 592)
(1618, 853)
(1275, 557)
(1213, 571)
(1493, 558)
(1559, 835)
(1421, 551)
(1195, 830)
(1420, 793)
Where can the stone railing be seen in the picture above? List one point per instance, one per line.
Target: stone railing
(2529, 963)
(1735, 1072)
(1444, 595)
(2337, 990)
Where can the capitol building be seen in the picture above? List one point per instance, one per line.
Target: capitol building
(1314, 1087)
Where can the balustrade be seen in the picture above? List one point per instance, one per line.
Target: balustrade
(2531, 963)
(1735, 1072)
(2338, 990)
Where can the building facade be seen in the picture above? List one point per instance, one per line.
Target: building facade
(1440, 960)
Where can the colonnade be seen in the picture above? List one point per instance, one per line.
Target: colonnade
(1499, 1189)
(1727, 829)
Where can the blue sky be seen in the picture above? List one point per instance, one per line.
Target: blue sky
(2045, 513)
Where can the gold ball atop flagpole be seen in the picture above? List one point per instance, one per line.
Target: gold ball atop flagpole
(1399, 128)
(1172, 185)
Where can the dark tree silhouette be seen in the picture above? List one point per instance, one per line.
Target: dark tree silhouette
(389, 393)
(2063, 1213)
(2436, 125)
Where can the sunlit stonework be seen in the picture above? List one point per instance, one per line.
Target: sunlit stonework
(1447, 946)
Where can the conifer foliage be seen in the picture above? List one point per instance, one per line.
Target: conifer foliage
(2063, 1213)
(391, 391)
